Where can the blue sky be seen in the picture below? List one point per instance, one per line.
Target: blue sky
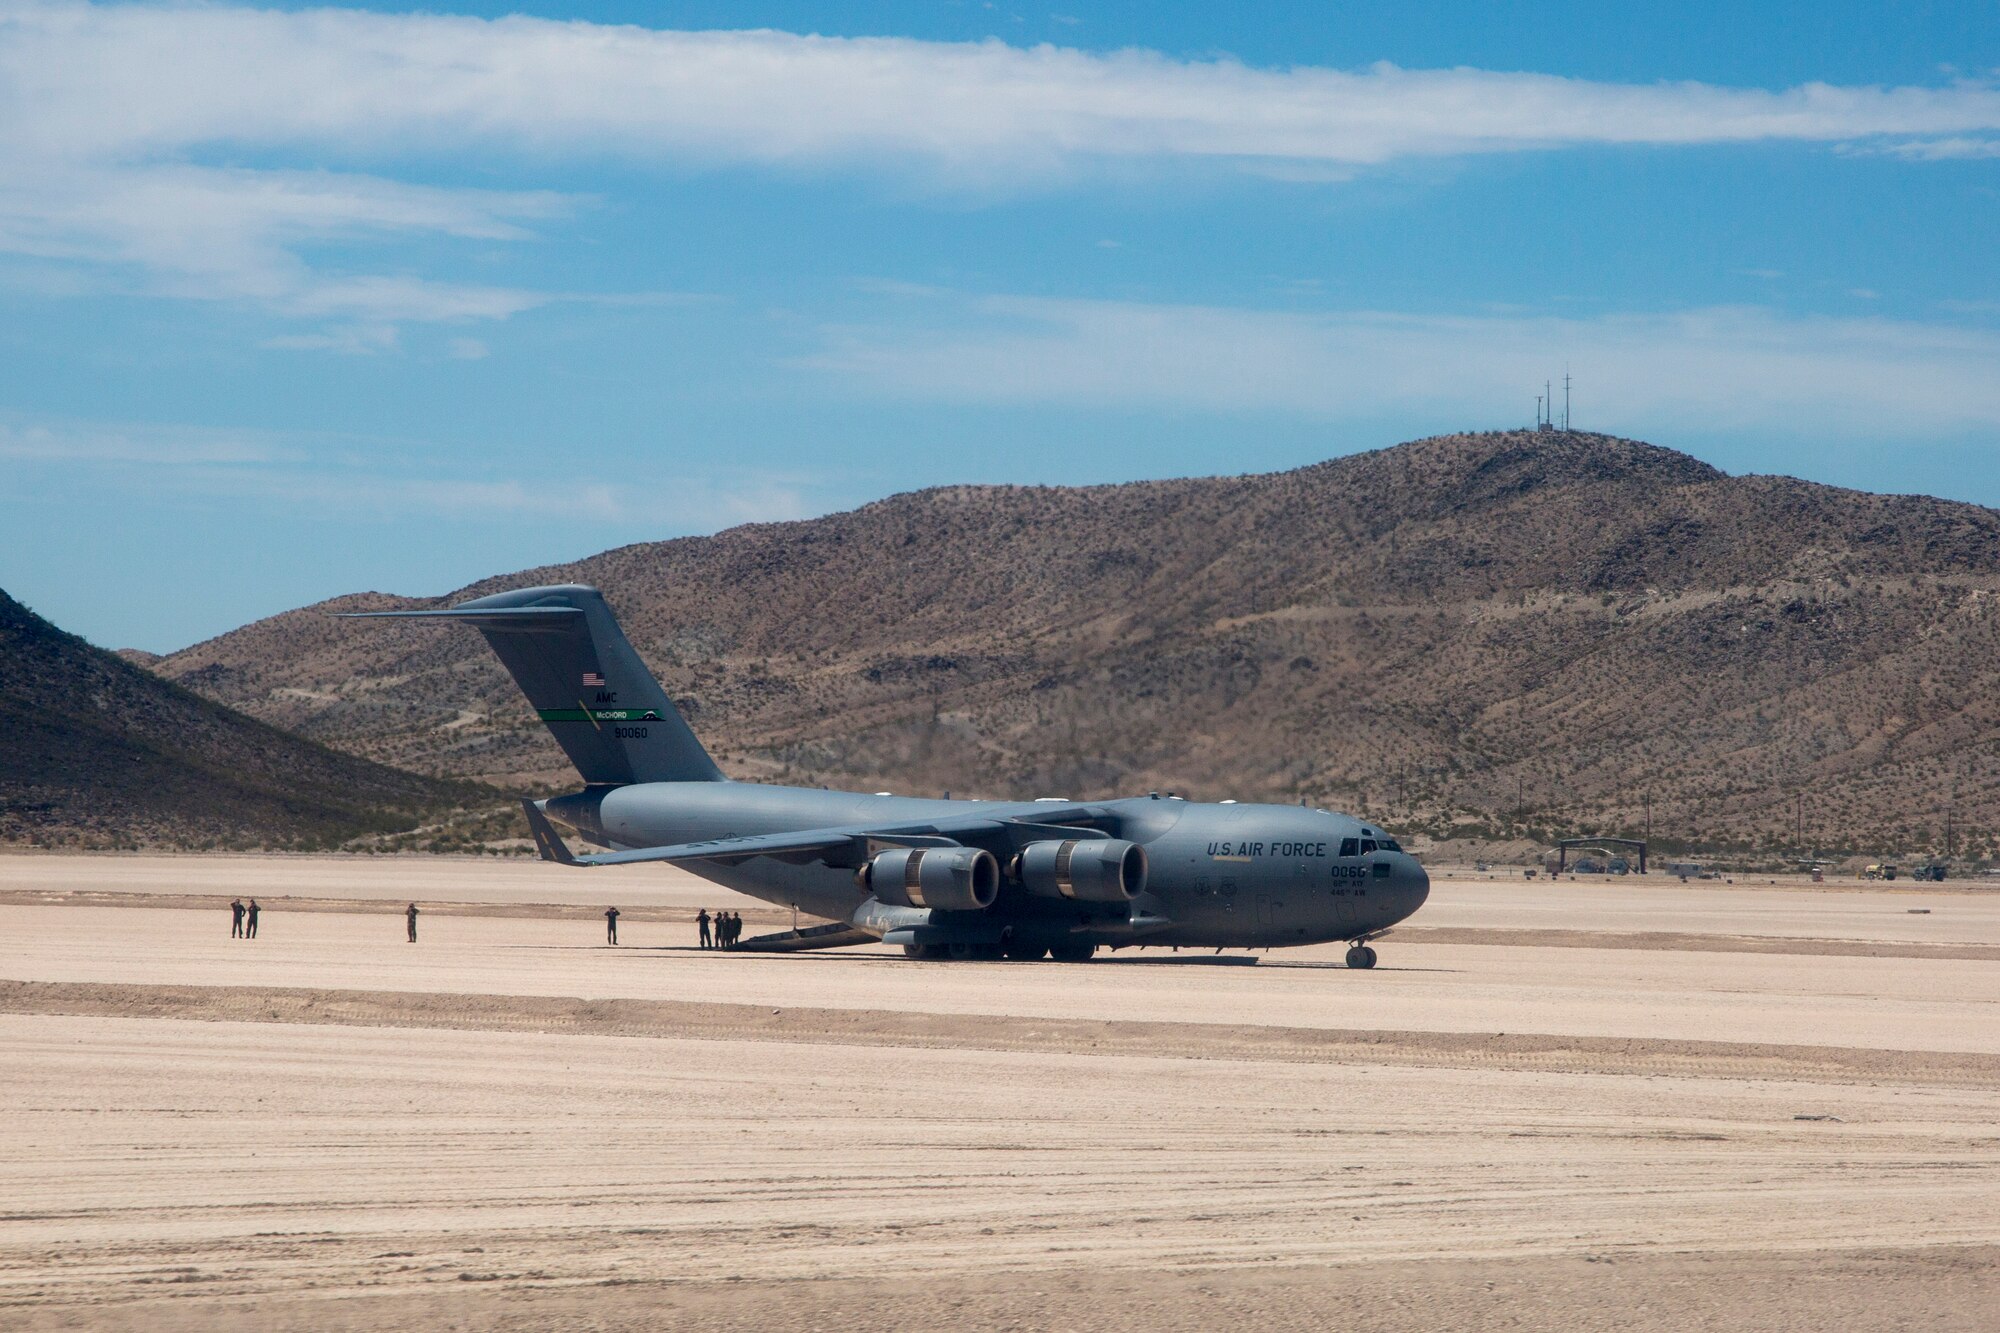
(306, 301)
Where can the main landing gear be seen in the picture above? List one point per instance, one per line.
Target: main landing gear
(1360, 955)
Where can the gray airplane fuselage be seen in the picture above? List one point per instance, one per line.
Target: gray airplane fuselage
(1218, 875)
(967, 878)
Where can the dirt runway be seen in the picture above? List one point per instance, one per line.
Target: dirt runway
(509, 1125)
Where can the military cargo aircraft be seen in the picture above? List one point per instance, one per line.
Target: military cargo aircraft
(942, 878)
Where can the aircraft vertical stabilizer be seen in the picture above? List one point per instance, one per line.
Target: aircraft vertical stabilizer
(566, 652)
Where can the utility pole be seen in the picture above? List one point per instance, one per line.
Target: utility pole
(1565, 398)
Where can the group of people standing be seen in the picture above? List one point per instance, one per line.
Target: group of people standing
(726, 929)
(721, 931)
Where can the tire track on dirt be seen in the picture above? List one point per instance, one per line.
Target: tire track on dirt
(705, 1021)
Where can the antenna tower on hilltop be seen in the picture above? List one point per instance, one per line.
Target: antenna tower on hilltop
(1545, 406)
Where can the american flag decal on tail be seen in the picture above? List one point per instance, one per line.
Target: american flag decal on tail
(593, 678)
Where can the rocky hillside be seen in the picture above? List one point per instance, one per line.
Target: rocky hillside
(98, 752)
(1510, 631)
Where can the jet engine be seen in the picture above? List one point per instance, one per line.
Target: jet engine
(1090, 870)
(956, 879)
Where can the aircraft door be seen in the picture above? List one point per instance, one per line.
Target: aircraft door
(1270, 910)
(1346, 907)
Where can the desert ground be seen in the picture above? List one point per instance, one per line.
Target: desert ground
(1628, 1104)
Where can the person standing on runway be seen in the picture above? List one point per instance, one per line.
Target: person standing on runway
(235, 918)
(250, 920)
(411, 915)
(701, 919)
(611, 925)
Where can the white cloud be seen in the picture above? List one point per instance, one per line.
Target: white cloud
(135, 81)
(351, 340)
(1941, 150)
(229, 234)
(323, 474)
(1726, 368)
(393, 495)
(157, 446)
(115, 114)
(670, 504)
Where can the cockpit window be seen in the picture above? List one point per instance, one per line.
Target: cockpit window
(1367, 846)
(1390, 845)
(1350, 846)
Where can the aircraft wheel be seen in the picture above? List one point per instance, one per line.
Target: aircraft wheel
(1361, 956)
(1072, 953)
(962, 952)
(922, 952)
(1027, 953)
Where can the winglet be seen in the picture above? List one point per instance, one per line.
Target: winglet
(547, 841)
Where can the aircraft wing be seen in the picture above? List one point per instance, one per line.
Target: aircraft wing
(843, 846)
(835, 844)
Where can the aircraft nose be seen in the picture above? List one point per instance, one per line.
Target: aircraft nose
(1412, 886)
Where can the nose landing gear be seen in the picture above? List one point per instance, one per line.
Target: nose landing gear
(1359, 954)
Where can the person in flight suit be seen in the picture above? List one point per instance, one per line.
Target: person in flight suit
(611, 925)
(235, 918)
(701, 919)
(250, 920)
(411, 915)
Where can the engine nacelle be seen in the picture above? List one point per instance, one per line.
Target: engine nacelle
(955, 879)
(1087, 870)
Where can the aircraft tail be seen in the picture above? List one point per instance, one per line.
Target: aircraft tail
(566, 652)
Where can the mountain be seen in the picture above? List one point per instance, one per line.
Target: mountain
(1512, 632)
(95, 751)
